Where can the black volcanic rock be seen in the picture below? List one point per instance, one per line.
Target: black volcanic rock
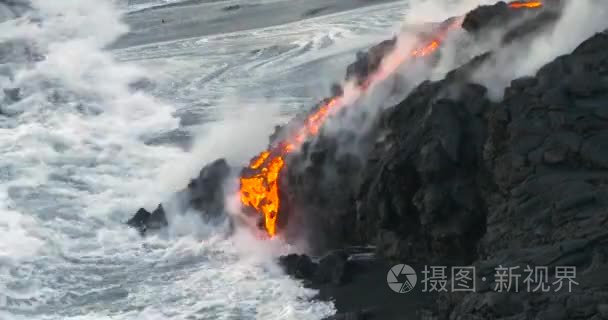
(487, 16)
(298, 266)
(368, 62)
(144, 220)
(333, 268)
(422, 199)
(205, 194)
(521, 22)
(448, 177)
(549, 207)
(138, 221)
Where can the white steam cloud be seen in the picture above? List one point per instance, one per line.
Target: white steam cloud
(426, 11)
(579, 20)
(76, 134)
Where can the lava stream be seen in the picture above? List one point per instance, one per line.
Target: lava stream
(259, 185)
(523, 4)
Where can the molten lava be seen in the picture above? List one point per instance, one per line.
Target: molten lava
(524, 4)
(259, 185)
(259, 182)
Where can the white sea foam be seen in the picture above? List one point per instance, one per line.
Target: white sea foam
(75, 164)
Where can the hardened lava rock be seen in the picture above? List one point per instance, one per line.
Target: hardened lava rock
(205, 194)
(455, 179)
(519, 23)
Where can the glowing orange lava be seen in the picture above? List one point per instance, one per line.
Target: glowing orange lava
(259, 185)
(259, 182)
(523, 4)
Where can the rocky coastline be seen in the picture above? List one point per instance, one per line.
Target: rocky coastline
(451, 177)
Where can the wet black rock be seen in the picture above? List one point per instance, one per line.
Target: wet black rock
(329, 269)
(521, 22)
(298, 266)
(144, 220)
(448, 177)
(548, 207)
(204, 194)
(332, 268)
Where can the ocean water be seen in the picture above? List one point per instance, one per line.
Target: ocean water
(117, 110)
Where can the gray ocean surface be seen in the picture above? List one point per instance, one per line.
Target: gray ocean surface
(111, 106)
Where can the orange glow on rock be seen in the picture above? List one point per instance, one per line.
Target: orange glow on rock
(523, 4)
(259, 182)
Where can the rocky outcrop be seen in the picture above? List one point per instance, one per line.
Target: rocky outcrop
(204, 194)
(521, 23)
(545, 154)
(447, 177)
(144, 220)
(335, 275)
(333, 268)
(451, 178)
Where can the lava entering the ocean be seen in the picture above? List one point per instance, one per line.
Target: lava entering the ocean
(259, 182)
(259, 188)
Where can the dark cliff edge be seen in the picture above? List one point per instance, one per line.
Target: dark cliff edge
(458, 180)
(448, 177)
(451, 178)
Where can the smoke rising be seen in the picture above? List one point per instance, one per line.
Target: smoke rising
(224, 138)
(579, 20)
(236, 117)
(428, 11)
(523, 56)
(73, 141)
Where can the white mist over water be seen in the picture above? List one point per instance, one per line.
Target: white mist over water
(76, 163)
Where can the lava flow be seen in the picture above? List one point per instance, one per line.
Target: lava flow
(259, 185)
(523, 4)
